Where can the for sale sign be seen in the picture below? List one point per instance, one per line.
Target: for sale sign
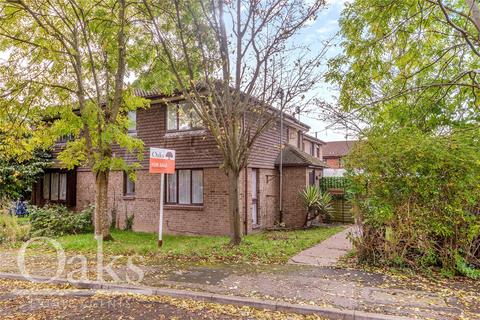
(162, 160)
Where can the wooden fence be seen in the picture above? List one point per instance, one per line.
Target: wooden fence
(341, 207)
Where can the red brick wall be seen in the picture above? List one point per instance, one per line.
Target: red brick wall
(294, 180)
(334, 163)
(212, 218)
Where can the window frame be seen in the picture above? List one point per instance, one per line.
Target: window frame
(256, 200)
(177, 189)
(177, 106)
(126, 179)
(59, 191)
(312, 178)
(65, 138)
(132, 130)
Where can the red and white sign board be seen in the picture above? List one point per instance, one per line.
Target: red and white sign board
(162, 160)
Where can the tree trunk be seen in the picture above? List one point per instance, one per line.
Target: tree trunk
(102, 227)
(305, 224)
(234, 206)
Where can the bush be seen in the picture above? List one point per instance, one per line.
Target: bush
(417, 198)
(59, 221)
(11, 230)
(316, 203)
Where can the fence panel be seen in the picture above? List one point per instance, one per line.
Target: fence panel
(341, 208)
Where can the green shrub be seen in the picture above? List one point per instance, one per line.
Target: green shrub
(129, 225)
(417, 199)
(316, 203)
(59, 221)
(11, 230)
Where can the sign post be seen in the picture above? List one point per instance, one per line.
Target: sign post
(161, 161)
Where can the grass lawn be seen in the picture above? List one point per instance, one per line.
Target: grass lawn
(265, 247)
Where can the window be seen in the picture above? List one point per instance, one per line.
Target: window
(185, 187)
(197, 186)
(311, 177)
(312, 149)
(132, 117)
(54, 181)
(65, 138)
(184, 190)
(182, 117)
(128, 185)
(62, 189)
(255, 197)
(55, 187)
(46, 186)
(171, 188)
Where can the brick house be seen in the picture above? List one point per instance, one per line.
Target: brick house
(334, 151)
(196, 196)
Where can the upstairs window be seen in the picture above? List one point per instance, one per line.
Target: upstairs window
(181, 116)
(132, 118)
(185, 187)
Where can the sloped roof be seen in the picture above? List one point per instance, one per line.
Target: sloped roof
(293, 156)
(155, 93)
(148, 93)
(312, 138)
(337, 148)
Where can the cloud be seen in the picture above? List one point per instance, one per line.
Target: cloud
(328, 26)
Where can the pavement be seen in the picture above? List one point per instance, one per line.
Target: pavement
(310, 281)
(326, 253)
(26, 300)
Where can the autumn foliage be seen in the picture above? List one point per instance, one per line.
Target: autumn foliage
(418, 200)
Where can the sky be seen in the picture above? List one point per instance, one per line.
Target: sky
(324, 28)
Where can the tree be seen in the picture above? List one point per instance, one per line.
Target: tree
(249, 61)
(414, 57)
(18, 176)
(77, 54)
(409, 72)
(19, 114)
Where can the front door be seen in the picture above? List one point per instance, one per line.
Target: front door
(255, 197)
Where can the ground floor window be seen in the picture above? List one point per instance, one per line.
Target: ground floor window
(311, 177)
(55, 186)
(255, 181)
(128, 185)
(185, 187)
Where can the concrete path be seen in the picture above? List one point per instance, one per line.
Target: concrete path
(326, 253)
(297, 284)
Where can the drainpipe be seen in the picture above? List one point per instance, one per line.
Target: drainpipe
(246, 201)
(245, 194)
(280, 198)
